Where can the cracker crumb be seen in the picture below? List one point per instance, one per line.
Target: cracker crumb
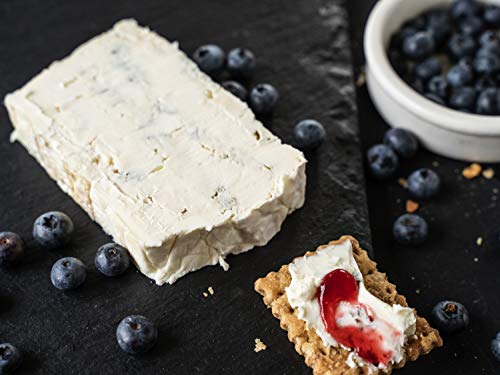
(211, 290)
(259, 346)
(205, 294)
(417, 291)
(479, 241)
(472, 171)
(403, 182)
(488, 173)
(476, 260)
(411, 206)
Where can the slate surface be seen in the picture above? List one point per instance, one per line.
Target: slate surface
(451, 264)
(303, 48)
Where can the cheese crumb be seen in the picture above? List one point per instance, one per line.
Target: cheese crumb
(472, 171)
(210, 292)
(403, 182)
(259, 346)
(479, 241)
(411, 206)
(488, 173)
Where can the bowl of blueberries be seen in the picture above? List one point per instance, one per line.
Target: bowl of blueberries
(433, 67)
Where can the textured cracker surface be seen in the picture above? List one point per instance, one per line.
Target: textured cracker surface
(329, 360)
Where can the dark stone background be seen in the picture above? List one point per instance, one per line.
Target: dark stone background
(303, 48)
(450, 265)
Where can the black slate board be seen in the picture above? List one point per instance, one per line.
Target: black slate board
(303, 48)
(450, 265)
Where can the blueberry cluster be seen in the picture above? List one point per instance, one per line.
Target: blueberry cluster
(410, 229)
(53, 231)
(383, 162)
(452, 56)
(240, 65)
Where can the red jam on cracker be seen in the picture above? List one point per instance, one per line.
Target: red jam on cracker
(352, 323)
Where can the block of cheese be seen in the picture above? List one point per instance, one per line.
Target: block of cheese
(172, 166)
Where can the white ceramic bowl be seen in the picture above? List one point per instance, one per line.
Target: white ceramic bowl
(447, 132)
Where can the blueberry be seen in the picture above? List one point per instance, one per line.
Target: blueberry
(495, 346)
(489, 38)
(136, 334)
(382, 160)
(486, 64)
(68, 273)
(112, 259)
(472, 26)
(417, 23)
(241, 63)
(11, 249)
(450, 316)
(402, 141)
(309, 134)
(463, 99)
(492, 15)
(438, 24)
(487, 102)
(428, 69)
(462, 45)
(235, 88)
(424, 183)
(398, 39)
(210, 58)
(435, 98)
(466, 61)
(263, 98)
(419, 46)
(485, 83)
(439, 86)
(10, 358)
(53, 230)
(410, 230)
(488, 50)
(461, 9)
(460, 75)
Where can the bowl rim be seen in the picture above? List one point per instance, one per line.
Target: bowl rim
(380, 68)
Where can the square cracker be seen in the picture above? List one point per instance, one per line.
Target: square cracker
(327, 360)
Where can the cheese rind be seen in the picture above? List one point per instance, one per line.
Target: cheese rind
(172, 166)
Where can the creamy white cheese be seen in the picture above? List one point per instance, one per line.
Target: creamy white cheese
(171, 165)
(307, 274)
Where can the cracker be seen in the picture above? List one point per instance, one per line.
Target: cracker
(326, 360)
